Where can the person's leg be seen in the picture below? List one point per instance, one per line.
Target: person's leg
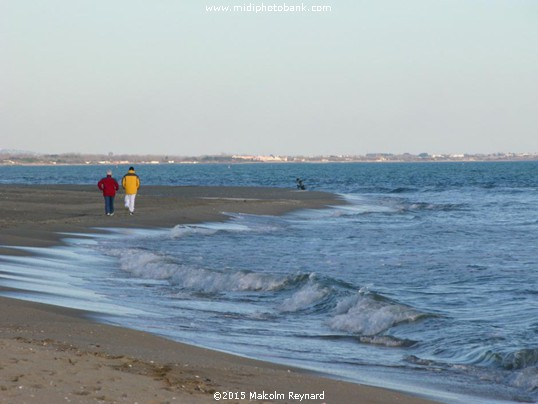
(111, 206)
(129, 202)
(107, 208)
(132, 207)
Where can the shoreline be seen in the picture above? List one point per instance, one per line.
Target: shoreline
(35, 215)
(50, 354)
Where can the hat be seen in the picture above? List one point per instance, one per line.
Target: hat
(131, 168)
(109, 172)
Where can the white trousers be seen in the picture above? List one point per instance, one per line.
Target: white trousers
(130, 202)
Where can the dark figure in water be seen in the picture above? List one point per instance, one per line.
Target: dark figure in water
(300, 184)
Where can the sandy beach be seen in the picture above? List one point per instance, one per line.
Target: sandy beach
(50, 354)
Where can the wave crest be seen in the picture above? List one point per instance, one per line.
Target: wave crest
(520, 359)
(148, 265)
(307, 296)
(369, 315)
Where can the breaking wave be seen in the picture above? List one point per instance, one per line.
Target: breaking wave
(364, 314)
(516, 360)
(369, 314)
(149, 265)
(309, 295)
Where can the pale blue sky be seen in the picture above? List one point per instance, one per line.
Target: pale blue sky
(167, 77)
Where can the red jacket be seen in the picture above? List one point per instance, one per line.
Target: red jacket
(108, 185)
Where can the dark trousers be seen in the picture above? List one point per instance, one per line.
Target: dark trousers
(109, 204)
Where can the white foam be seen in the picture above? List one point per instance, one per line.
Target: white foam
(149, 265)
(526, 379)
(144, 264)
(305, 297)
(364, 315)
(207, 229)
(213, 281)
(184, 230)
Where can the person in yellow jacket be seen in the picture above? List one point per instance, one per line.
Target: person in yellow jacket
(130, 183)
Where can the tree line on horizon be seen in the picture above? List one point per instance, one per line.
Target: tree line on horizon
(21, 157)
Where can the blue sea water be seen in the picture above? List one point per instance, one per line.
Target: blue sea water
(426, 281)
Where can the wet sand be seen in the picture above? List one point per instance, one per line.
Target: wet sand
(50, 354)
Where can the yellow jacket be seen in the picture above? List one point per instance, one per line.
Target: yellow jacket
(130, 182)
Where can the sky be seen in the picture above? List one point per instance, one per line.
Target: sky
(172, 77)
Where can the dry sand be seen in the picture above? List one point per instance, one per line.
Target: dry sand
(50, 354)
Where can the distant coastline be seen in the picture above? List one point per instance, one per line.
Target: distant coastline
(14, 157)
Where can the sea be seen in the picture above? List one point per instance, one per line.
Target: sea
(425, 281)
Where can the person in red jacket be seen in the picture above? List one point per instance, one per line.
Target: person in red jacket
(109, 186)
